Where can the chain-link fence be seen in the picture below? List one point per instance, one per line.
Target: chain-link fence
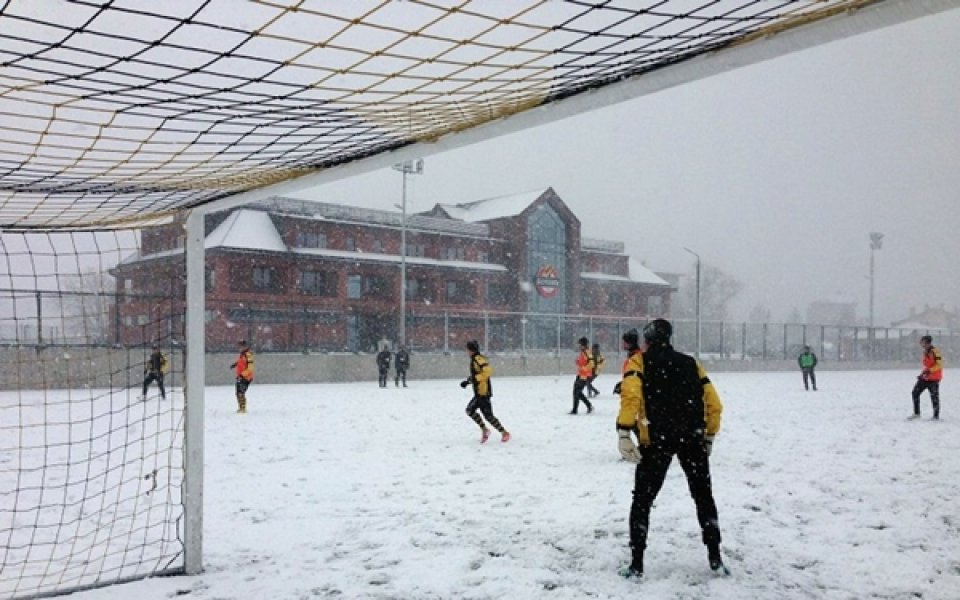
(127, 320)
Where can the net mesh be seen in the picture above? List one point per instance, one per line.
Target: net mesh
(91, 474)
(110, 111)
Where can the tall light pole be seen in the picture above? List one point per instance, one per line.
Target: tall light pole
(407, 167)
(698, 300)
(876, 242)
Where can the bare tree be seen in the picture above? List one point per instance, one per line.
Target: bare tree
(717, 290)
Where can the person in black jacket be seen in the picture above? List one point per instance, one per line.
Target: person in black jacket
(668, 402)
(383, 365)
(402, 364)
(156, 367)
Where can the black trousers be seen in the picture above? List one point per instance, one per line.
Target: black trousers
(649, 479)
(150, 378)
(578, 396)
(590, 388)
(934, 387)
(809, 374)
(383, 377)
(485, 406)
(401, 376)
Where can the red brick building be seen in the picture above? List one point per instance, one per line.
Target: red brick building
(295, 275)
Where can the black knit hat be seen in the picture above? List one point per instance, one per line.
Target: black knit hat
(658, 331)
(584, 342)
(473, 346)
(632, 337)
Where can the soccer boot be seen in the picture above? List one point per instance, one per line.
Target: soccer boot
(484, 436)
(630, 572)
(505, 436)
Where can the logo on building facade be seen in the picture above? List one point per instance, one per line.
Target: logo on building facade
(547, 281)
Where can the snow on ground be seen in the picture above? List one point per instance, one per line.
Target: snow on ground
(351, 491)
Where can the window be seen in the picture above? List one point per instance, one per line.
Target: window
(419, 289)
(459, 292)
(655, 305)
(483, 256)
(354, 286)
(416, 250)
(450, 253)
(377, 246)
(210, 278)
(350, 244)
(497, 294)
(616, 300)
(318, 283)
(309, 239)
(375, 285)
(264, 279)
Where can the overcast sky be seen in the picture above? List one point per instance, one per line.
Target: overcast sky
(775, 173)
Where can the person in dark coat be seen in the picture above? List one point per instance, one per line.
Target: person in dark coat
(402, 364)
(156, 367)
(807, 361)
(383, 365)
(667, 402)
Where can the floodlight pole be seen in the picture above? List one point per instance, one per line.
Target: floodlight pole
(698, 300)
(876, 242)
(411, 167)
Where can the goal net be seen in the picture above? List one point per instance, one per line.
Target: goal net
(91, 472)
(115, 115)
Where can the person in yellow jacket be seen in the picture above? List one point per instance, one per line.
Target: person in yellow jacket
(157, 366)
(584, 372)
(669, 404)
(480, 372)
(598, 361)
(244, 371)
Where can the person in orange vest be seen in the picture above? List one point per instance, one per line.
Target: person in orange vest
(929, 378)
(244, 371)
(584, 373)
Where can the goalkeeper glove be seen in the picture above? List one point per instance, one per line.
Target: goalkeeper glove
(616, 389)
(628, 449)
(464, 383)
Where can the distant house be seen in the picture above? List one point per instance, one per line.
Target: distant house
(935, 318)
(292, 274)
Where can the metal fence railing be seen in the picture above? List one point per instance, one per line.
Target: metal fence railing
(41, 318)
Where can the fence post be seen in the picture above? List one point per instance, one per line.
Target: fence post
(856, 339)
(486, 331)
(763, 354)
(559, 327)
(743, 341)
(523, 335)
(39, 319)
(785, 341)
(446, 332)
(722, 340)
(823, 333)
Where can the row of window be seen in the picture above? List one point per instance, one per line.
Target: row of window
(319, 240)
(326, 284)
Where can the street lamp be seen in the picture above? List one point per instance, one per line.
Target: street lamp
(698, 299)
(407, 167)
(876, 242)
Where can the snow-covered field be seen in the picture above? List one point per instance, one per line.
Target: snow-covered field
(351, 491)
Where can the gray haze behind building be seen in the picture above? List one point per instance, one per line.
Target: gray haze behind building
(774, 173)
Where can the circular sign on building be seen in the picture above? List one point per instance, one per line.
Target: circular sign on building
(547, 281)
